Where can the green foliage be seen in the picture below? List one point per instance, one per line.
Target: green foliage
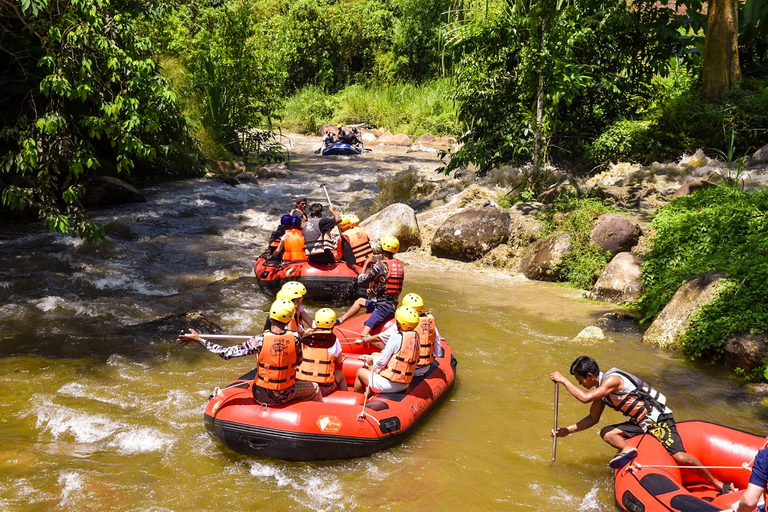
(593, 58)
(401, 108)
(680, 121)
(576, 216)
(527, 194)
(719, 229)
(82, 94)
(231, 68)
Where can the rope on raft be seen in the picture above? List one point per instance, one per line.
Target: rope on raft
(745, 465)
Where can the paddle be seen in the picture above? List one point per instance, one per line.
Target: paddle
(225, 337)
(330, 203)
(554, 438)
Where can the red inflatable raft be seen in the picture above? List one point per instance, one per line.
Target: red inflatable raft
(644, 487)
(339, 427)
(333, 281)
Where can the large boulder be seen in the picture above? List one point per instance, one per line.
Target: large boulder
(395, 220)
(759, 157)
(618, 321)
(400, 139)
(746, 351)
(471, 233)
(620, 281)
(545, 256)
(106, 190)
(614, 233)
(675, 318)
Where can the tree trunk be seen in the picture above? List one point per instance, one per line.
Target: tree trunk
(537, 141)
(721, 53)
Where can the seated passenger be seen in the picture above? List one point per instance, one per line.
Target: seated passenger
(322, 355)
(328, 138)
(277, 234)
(279, 355)
(350, 138)
(294, 291)
(386, 282)
(354, 245)
(318, 244)
(429, 337)
(392, 370)
(292, 242)
(340, 133)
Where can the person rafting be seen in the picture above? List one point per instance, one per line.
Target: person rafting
(301, 205)
(392, 370)
(328, 140)
(354, 247)
(429, 336)
(644, 405)
(293, 291)
(318, 243)
(321, 352)
(386, 283)
(292, 244)
(279, 354)
(756, 488)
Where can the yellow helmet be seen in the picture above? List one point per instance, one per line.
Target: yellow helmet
(282, 310)
(390, 244)
(407, 318)
(325, 318)
(295, 285)
(339, 126)
(353, 220)
(289, 294)
(345, 224)
(414, 300)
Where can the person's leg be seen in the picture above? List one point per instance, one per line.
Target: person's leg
(362, 379)
(617, 435)
(686, 459)
(381, 313)
(341, 381)
(353, 310)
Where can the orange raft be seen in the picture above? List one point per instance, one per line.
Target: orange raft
(644, 487)
(332, 281)
(339, 427)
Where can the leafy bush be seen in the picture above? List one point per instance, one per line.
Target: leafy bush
(719, 229)
(308, 110)
(576, 216)
(679, 121)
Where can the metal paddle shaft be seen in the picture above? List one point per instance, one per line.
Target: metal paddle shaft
(330, 203)
(554, 439)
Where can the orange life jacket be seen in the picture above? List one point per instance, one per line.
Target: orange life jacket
(277, 361)
(635, 403)
(395, 277)
(426, 330)
(294, 246)
(317, 364)
(401, 365)
(358, 240)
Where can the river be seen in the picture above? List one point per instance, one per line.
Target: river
(96, 417)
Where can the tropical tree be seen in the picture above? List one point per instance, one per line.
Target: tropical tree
(721, 54)
(80, 92)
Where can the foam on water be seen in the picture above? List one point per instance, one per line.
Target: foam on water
(85, 428)
(71, 482)
(52, 302)
(590, 501)
(141, 440)
(124, 280)
(107, 395)
(320, 492)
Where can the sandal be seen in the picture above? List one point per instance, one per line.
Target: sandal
(622, 459)
(727, 488)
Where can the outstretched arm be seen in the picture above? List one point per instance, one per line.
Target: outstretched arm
(243, 349)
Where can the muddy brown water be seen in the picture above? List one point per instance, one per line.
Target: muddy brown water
(96, 414)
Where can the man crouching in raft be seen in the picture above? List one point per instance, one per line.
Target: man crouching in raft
(644, 405)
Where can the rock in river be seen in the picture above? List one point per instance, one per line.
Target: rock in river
(395, 220)
(471, 233)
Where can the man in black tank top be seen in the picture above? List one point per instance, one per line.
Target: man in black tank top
(317, 234)
(659, 422)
